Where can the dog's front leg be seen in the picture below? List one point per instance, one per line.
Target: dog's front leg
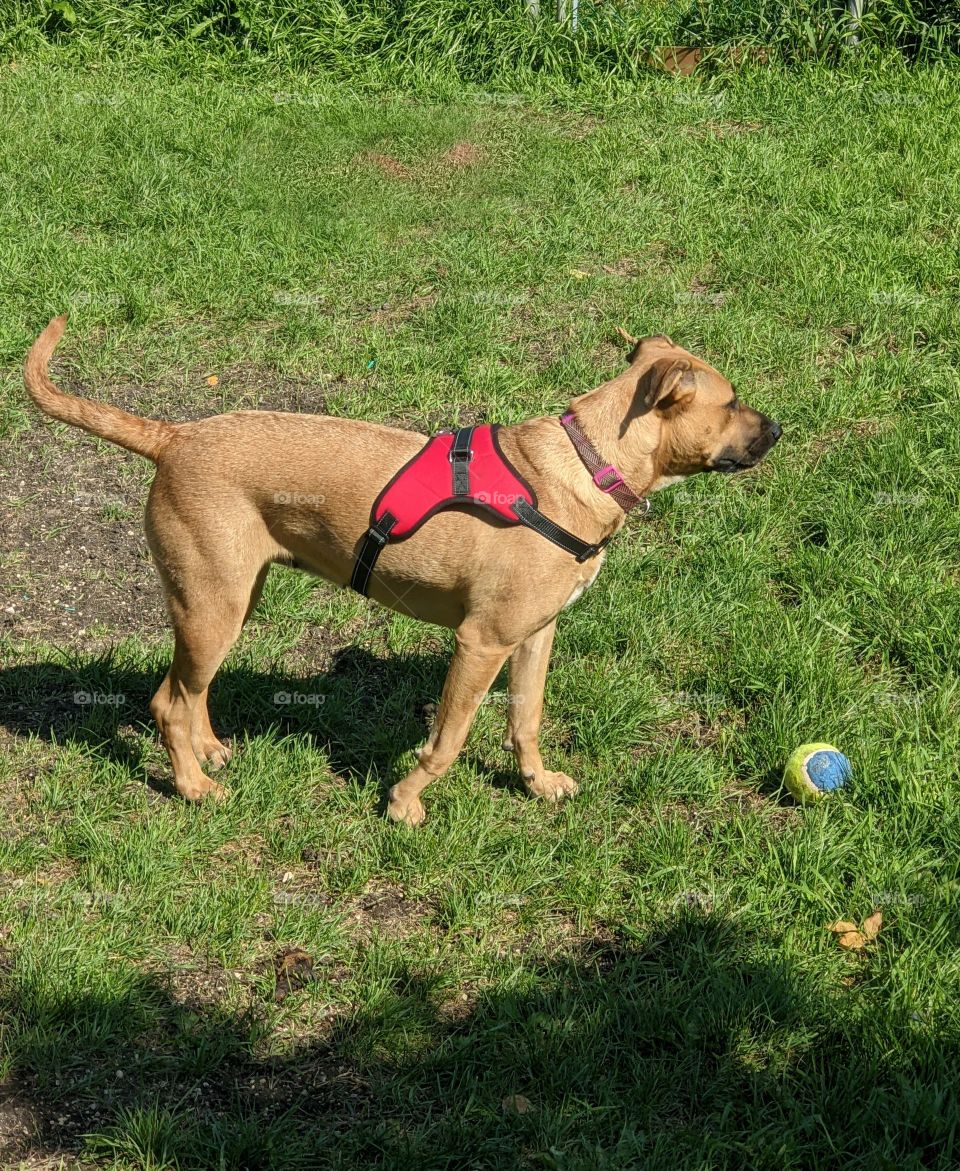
(474, 667)
(528, 673)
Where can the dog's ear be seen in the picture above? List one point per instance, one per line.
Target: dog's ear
(667, 385)
(637, 344)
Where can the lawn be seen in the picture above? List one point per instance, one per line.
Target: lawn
(642, 977)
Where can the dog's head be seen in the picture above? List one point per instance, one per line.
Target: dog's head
(692, 419)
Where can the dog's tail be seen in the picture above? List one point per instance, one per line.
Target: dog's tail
(145, 436)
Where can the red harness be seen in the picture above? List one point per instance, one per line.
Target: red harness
(467, 467)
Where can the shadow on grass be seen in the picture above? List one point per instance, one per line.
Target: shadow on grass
(682, 1049)
(364, 712)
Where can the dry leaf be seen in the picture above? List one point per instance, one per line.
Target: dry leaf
(852, 941)
(871, 926)
(841, 927)
(579, 273)
(516, 1104)
(212, 380)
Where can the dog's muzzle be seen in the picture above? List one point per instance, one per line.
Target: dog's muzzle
(728, 461)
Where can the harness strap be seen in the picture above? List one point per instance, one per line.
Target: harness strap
(377, 536)
(461, 456)
(534, 519)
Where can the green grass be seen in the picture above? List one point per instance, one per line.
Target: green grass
(416, 42)
(647, 966)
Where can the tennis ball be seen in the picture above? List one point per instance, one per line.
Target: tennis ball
(814, 770)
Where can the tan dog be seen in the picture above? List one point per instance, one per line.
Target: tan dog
(234, 493)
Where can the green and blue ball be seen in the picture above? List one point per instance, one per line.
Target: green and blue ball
(815, 770)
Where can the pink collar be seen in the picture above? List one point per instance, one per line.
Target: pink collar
(606, 476)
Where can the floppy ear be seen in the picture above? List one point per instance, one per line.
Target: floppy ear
(667, 385)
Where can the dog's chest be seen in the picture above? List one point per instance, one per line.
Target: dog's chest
(585, 583)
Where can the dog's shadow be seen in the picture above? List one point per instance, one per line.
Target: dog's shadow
(364, 712)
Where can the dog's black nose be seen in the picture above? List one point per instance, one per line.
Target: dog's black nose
(775, 431)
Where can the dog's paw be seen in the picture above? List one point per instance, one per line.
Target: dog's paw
(551, 786)
(212, 753)
(405, 810)
(206, 791)
(216, 758)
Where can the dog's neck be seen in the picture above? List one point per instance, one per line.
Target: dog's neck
(632, 445)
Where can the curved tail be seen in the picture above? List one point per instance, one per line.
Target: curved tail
(145, 436)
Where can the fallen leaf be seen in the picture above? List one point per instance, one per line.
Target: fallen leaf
(872, 924)
(516, 1104)
(841, 927)
(852, 941)
(579, 273)
(212, 380)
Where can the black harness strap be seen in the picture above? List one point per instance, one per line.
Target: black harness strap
(534, 519)
(377, 536)
(460, 457)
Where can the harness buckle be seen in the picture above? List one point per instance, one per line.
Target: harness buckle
(379, 533)
(609, 470)
(466, 456)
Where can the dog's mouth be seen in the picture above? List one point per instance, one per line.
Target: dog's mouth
(734, 461)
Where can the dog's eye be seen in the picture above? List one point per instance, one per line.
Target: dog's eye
(733, 404)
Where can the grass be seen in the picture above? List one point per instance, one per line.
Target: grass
(640, 978)
(417, 42)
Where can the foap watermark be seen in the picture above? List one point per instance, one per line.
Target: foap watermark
(500, 698)
(96, 500)
(93, 297)
(899, 499)
(89, 98)
(894, 97)
(99, 698)
(682, 494)
(895, 700)
(896, 898)
(308, 499)
(498, 300)
(498, 499)
(898, 297)
(299, 98)
(495, 99)
(692, 900)
(696, 700)
(298, 698)
(682, 96)
(293, 898)
(699, 297)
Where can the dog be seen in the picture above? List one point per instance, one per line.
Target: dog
(234, 493)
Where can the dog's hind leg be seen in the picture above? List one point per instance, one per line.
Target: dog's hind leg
(206, 745)
(528, 673)
(473, 669)
(208, 604)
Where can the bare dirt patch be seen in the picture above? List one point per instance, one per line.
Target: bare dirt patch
(387, 910)
(458, 157)
(461, 154)
(388, 165)
(392, 313)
